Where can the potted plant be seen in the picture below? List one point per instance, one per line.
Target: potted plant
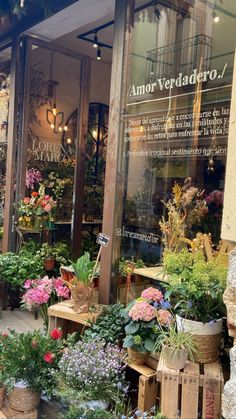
(175, 347)
(196, 291)
(47, 253)
(127, 267)
(14, 269)
(28, 360)
(92, 371)
(82, 284)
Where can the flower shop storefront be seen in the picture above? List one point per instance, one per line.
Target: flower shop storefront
(171, 146)
(142, 321)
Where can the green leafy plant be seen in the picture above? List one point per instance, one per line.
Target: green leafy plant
(127, 266)
(110, 325)
(83, 268)
(175, 340)
(31, 357)
(76, 412)
(15, 269)
(196, 286)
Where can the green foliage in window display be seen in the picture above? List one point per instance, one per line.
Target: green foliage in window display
(196, 286)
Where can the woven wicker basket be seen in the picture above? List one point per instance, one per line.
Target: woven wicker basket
(23, 399)
(136, 357)
(2, 397)
(207, 348)
(206, 337)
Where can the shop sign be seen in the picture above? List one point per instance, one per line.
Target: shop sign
(181, 80)
(103, 239)
(43, 150)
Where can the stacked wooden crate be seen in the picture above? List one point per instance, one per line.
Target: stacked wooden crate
(191, 393)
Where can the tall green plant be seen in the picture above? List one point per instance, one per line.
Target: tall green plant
(83, 268)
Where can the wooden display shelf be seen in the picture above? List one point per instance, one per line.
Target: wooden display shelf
(62, 315)
(192, 392)
(155, 272)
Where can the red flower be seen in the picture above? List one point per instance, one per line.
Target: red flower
(56, 334)
(5, 334)
(49, 357)
(34, 194)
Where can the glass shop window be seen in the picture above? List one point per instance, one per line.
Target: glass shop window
(176, 120)
(5, 63)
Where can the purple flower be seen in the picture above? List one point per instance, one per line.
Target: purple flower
(165, 305)
(190, 304)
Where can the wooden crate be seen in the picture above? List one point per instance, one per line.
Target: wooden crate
(192, 393)
(147, 387)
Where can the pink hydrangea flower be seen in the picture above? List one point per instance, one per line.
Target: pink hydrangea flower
(164, 317)
(142, 310)
(152, 294)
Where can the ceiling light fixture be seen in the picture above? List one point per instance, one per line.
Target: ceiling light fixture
(99, 54)
(95, 40)
(156, 11)
(216, 18)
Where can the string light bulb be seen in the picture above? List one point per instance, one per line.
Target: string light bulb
(216, 18)
(99, 54)
(95, 41)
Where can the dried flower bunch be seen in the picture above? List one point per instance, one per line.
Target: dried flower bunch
(185, 208)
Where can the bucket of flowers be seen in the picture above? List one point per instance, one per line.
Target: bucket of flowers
(36, 212)
(42, 293)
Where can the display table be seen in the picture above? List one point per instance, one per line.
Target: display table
(63, 316)
(155, 272)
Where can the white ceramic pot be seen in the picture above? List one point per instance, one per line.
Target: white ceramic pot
(199, 328)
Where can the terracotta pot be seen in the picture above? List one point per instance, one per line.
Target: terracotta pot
(206, 337)
(23, 399)
(136, 357)
(173, 359)
(81, 297)
(49, 264)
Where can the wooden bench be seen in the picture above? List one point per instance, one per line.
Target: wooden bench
(62, 315)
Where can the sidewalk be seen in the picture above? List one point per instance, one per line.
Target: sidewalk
(19, 320)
